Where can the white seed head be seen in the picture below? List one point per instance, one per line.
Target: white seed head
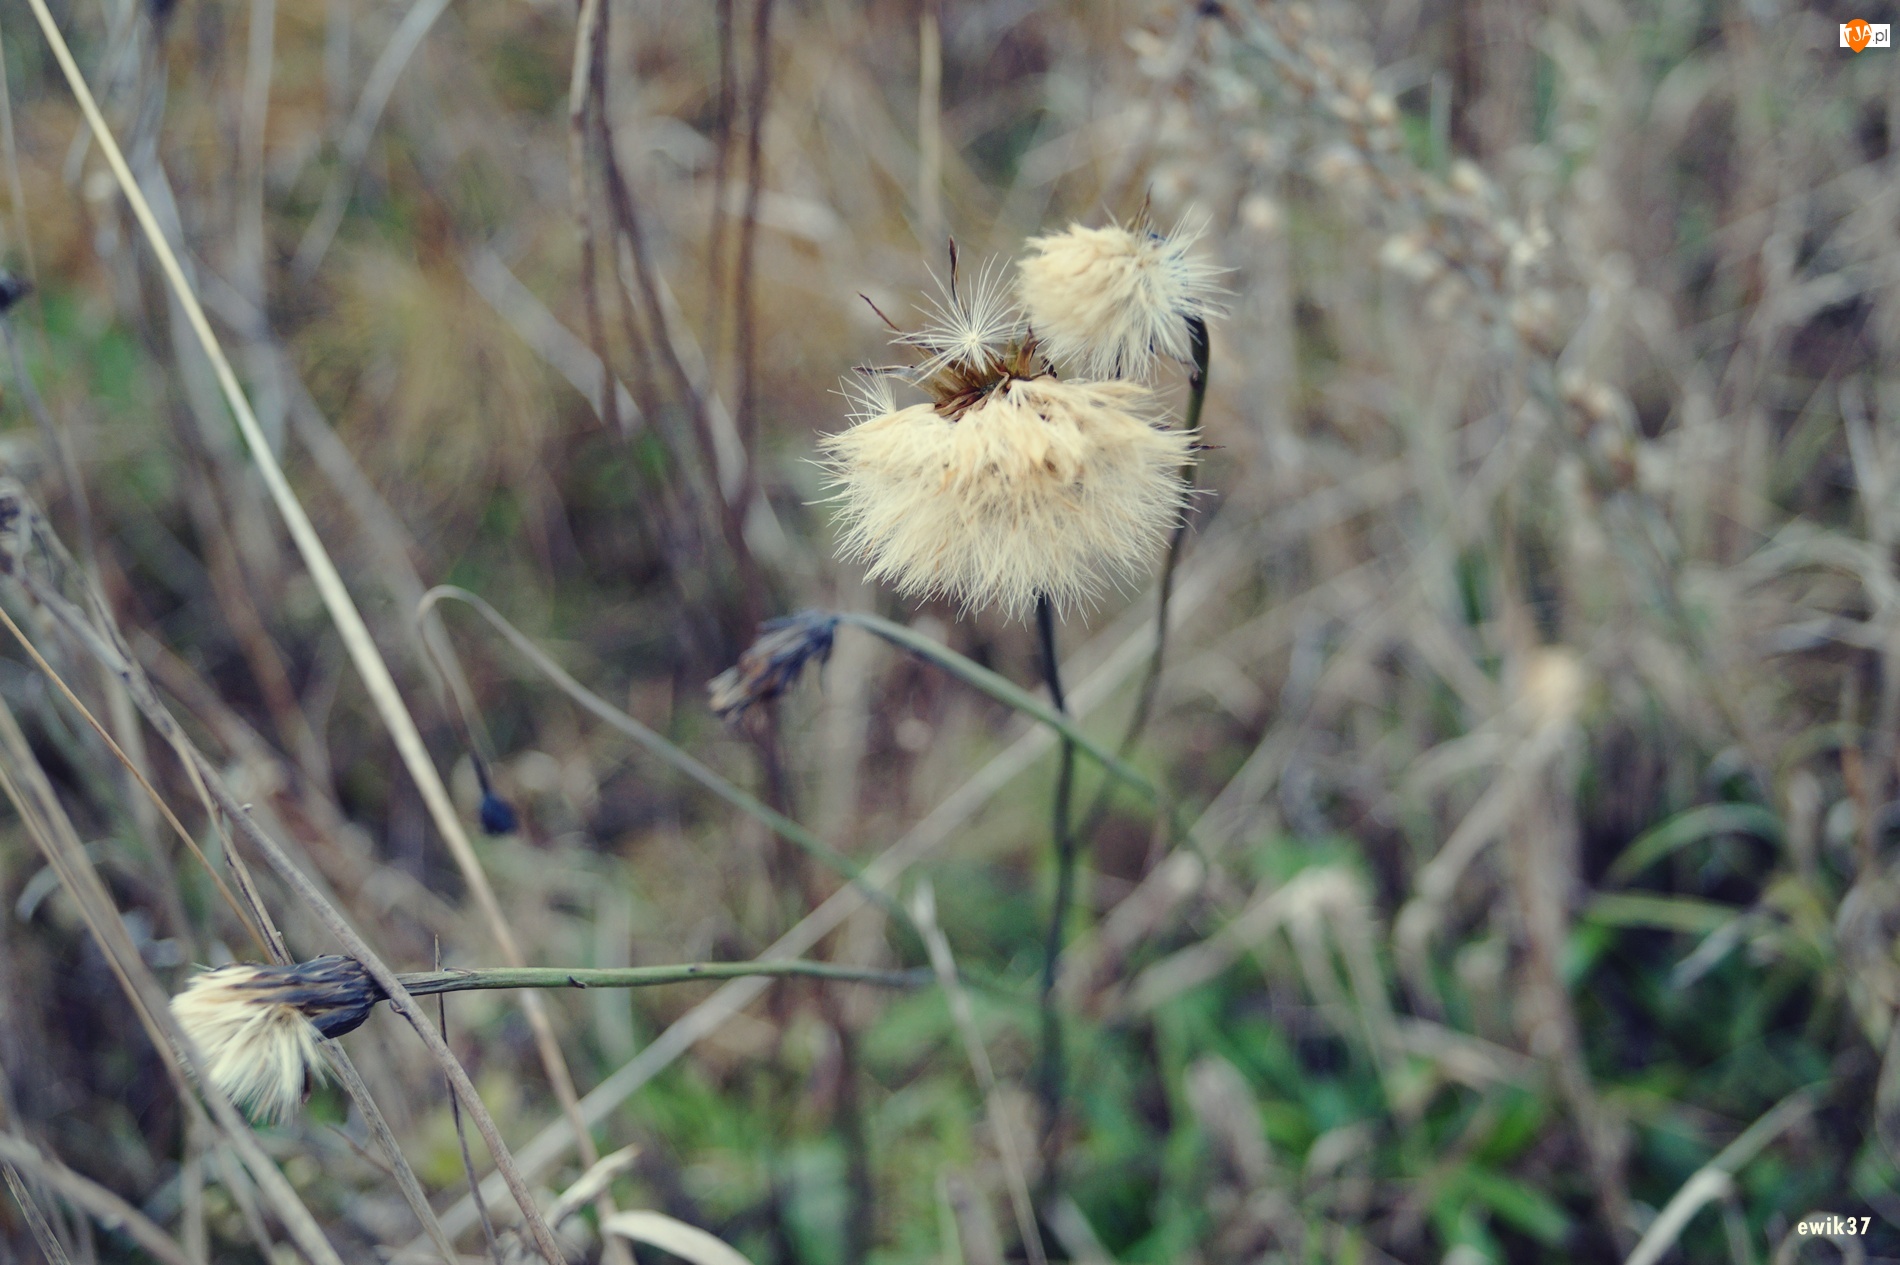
(1107, 301)
(260, 1052)
(1040, 488)
(970, 325)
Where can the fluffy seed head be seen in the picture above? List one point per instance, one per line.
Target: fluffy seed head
(1106, 301)
(1040, 487)
(257, 1026)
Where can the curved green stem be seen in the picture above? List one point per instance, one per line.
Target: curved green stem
(422, 983)
(669, 754)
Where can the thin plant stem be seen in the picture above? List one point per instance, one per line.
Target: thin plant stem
(1151, 680)
(425, 983)
(461, 1134)
(581, 81)
(1150, 683)
(1005, 692)
(1051, 1072)
(924, 909)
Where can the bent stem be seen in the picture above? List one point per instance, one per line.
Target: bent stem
(1197, 398)
(1051, 1073)
(680, 761)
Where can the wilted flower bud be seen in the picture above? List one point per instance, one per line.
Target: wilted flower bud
(772, 664)
(257, 1026)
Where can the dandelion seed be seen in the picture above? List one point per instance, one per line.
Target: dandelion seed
(772, 664)
(1107, 301)
(257, 1026)
(1038, 488)
(971, 326)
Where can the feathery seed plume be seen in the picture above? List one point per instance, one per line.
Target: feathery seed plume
(971, 324)
(1028, 487)
(257, 1026)
(1107, 301)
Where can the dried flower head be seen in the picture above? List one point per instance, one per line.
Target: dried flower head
(1107, 301)
(1032, 488)
(772, 664)
(257, 1026)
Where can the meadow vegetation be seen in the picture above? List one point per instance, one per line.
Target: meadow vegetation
(1500, 865)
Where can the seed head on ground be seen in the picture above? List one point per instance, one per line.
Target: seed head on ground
(1107, 301)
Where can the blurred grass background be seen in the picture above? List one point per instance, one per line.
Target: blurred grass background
(1536, 681)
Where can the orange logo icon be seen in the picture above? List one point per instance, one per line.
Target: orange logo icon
(1858, 33)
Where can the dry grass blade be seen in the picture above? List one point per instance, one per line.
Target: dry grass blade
(50, 1243)
(25, 785)
(268, 940)
(689, 1243)
(111, 1212)
(336, 598)
(239, 815)
(924, 909)
(1714, 1179)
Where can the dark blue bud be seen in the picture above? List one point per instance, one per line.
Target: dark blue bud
(498, 815)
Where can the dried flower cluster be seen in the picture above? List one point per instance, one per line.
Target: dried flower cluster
(1009, 485)
(257, 1027)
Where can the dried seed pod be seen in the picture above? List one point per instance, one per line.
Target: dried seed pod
(258, 1026)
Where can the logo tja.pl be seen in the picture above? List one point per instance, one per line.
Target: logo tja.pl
(1861, 34)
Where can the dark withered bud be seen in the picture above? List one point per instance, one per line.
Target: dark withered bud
(12, 290)
(257, 1026)
(498, 816)
(772, 664)
(334, 992)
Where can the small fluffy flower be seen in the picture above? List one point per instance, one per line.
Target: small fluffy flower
(257, 1026)
(1038, 488)
(1107, 301)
